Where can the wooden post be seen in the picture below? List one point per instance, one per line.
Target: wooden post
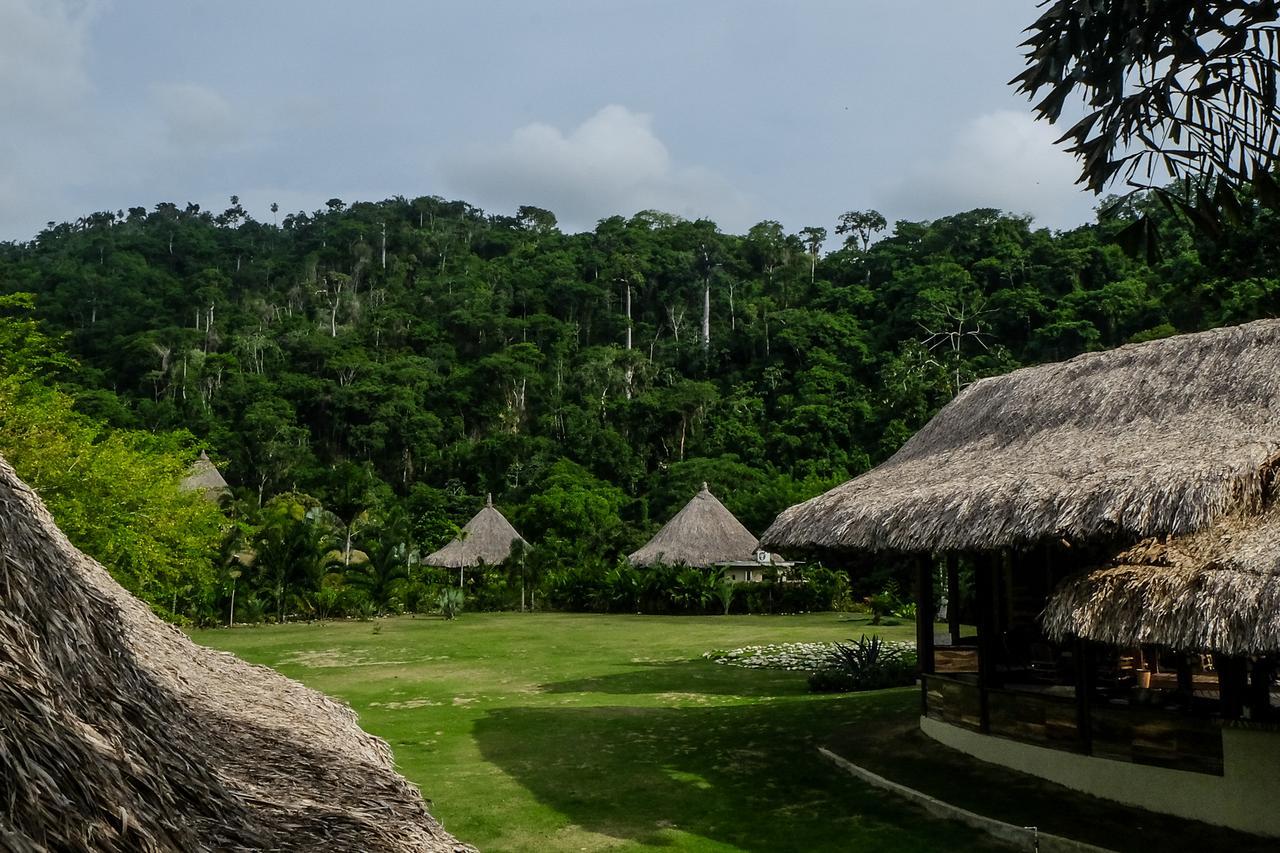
(1260, 688)
(953, 597)
(925, 610)
(1085, 673)
(984, 577)
(1232, 684)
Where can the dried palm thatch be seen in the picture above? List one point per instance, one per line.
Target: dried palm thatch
(1214, 590)
(117, 733)
(487, 538)
(702, 534)
(205, 478)
(1148, 439)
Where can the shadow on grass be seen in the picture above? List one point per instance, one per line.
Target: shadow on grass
(687, 677)
(746, 775)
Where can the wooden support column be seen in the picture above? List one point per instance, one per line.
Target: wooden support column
(984, 583)
(1085, 675)
(1261, 670)
(953, 597)
(925, 611)
(1232, 684)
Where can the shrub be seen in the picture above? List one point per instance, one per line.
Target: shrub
(450, 602)
(868, 663)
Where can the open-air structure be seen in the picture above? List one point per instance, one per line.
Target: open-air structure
(120, 734)
(1116, 513)
(487, 539)
(705, 534)
(205, 478)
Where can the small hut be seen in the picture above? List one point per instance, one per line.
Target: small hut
(120, 734)
(204, 477)
(704, 534)
(1116, 513)
(486, 539)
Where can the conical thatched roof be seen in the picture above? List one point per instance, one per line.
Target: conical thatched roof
(120, 734)
(486, 538)
(704, 533)
(1148, 439)
(205, 478)
(1214, 590)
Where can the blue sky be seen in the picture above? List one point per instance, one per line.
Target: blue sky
(734, 109)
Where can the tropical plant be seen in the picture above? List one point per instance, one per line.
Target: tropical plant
(868, 663)
(450, 602)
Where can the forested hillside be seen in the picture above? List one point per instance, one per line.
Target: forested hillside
(410, 356)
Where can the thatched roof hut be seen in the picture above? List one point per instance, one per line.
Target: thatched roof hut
(120, 734)
(1148, 439)
(486, 538)
(205, 478)
(1214, 590)
(702, 534)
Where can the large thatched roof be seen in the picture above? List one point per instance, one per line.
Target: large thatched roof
(1214, 590)
(704, 533)
(120, 734)
(1148, 439)
(487, 538)
(205, 478)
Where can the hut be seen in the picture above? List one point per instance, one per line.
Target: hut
(1094, 501)
(205, 478)
(120, 734)
(486, 539)
(705, 534)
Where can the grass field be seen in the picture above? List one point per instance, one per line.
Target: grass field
(583, 732)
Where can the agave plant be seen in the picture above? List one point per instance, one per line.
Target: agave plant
(450, 602)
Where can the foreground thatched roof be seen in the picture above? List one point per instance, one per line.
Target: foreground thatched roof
(205, 478)
(704, 533)
(487, 538)
(1214, 590)
(120, 734)
(1153, 438)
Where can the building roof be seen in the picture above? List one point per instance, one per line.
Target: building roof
(704, 533)
(1217, 589)
(486, 538)
(204, 477)
(1148, 439)
(132, 737)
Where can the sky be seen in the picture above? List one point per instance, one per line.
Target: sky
(737, 110)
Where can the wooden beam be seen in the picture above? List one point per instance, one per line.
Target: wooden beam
(925, 610)
(984, 583)
(953, 597)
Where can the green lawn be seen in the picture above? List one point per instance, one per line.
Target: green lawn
(583, 732)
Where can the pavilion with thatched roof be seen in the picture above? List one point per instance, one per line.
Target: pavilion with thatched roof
(120, 734)
(1115, 513)
(205, 478)
(487, 539)
(705, 534)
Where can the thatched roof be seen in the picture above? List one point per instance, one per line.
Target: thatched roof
(1214, 590)
(487, 538)
(120, 734)
(1148, 439)
(704, 533)
(205, 478)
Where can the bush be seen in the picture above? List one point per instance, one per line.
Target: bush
(868, 663)
(451, 600)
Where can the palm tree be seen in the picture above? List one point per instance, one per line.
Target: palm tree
(382, 572)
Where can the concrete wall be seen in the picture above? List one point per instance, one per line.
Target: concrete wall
(1243, 798)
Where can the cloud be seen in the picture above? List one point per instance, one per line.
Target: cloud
(197, 118)
(612, 163)
(42, 52)
(1005, 160)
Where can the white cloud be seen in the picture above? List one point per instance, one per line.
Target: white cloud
(612, 163)
(1005, 160)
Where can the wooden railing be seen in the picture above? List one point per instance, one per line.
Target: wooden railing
(1140, 735)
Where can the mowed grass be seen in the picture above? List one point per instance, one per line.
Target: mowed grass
(584, 732)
